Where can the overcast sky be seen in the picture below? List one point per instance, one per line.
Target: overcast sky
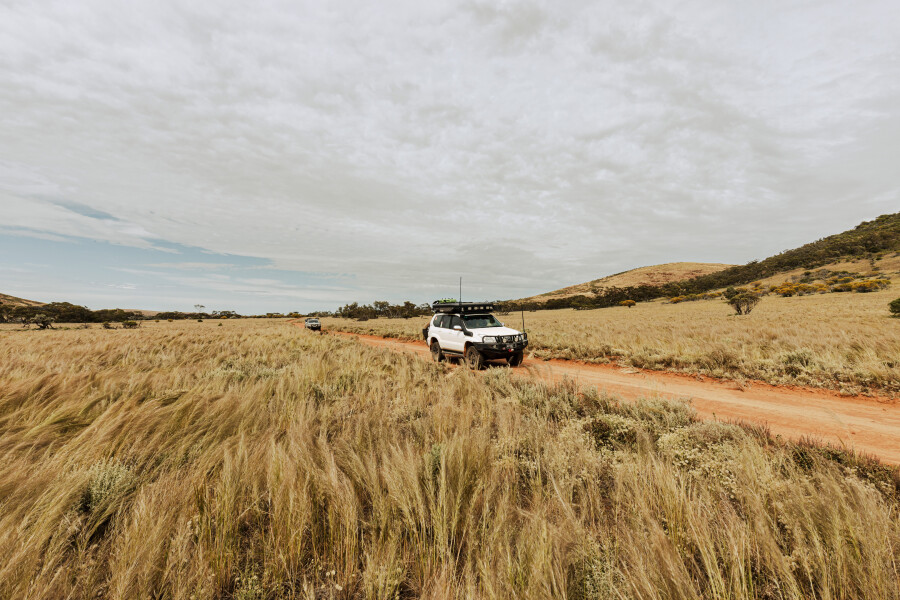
(269, 156)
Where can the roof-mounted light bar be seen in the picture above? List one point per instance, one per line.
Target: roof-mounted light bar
(462, 307)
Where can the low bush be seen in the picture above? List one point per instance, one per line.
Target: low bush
(871, 285)
(42, 321)
(894, 307)
(130, 324)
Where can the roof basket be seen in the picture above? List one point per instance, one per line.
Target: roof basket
(462, 307)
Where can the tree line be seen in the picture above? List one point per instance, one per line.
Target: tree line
(379, 308)
(66, 312)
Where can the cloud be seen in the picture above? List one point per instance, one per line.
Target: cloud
(190, 266)
(522, 146)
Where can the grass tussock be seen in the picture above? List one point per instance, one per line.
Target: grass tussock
(845, 342)
(257, 461)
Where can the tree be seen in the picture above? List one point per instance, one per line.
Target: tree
(744, 302)
(895, 307)
(199, 308)
(382, 308)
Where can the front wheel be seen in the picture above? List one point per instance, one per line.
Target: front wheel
(474, 358)
(436, 353)
(516, 359)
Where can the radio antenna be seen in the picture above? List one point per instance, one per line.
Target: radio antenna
(460, 290)
(523, 320)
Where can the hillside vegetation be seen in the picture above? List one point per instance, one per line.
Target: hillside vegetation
(870, 240)
(254, 461)
(845, 342)
(655, 275)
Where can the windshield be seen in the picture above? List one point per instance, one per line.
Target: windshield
(481, 321)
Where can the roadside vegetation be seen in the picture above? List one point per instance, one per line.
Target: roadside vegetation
(256, 460)
(843, 342)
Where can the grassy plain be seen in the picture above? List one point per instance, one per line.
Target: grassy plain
(256, 460)
(843, 341)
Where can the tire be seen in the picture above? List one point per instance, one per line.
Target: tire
(436, 353)
(516, 359)
(474, 358)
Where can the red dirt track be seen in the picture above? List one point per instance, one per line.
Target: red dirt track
(867, 425)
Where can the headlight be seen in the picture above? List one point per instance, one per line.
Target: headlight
(489, 339)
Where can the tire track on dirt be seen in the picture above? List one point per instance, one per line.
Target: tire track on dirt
(869, 425)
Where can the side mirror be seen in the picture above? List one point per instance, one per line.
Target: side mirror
(457, 328)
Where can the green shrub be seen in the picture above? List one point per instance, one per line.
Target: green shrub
(107, 325)
(130, 324)
(744, 302)
(895, 307)
(42, 321)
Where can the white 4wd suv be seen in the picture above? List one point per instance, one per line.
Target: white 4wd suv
(469, 330)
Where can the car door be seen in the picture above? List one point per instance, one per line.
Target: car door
(454, 335)
(439, 329)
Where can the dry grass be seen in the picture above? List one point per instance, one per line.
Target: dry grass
(255, 460)
(845, 341)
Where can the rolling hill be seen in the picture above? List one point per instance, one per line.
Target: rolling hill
(655, 275)
(14, 301)
(870, 246)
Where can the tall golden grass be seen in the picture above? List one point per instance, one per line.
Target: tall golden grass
(844, 342)
(256, 460)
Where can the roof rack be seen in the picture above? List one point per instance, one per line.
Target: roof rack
(462, 307)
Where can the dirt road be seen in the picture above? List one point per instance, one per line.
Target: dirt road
(864, 424)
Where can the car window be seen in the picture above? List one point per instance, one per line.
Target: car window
(455, 321)
(439, 320)
(482, 321)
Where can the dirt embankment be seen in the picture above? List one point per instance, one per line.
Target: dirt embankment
(869, 425)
